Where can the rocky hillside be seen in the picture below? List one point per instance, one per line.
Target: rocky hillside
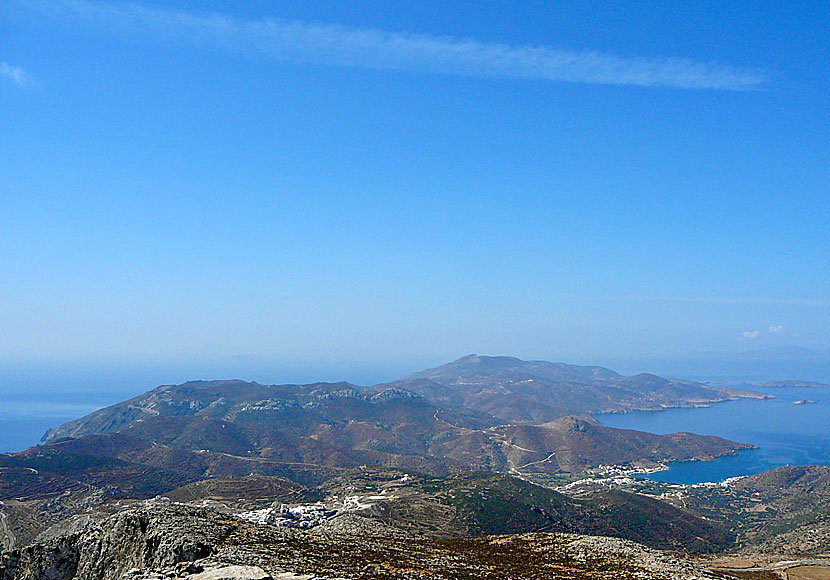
(185, 542)
(177, 434)
(474, 391)
(273, 452)
(324, 432)
(160, 454)
(782, 511)
(466, 505)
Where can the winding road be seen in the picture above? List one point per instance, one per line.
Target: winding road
(9, 539)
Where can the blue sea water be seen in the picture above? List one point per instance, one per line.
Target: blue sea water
(785, 433)
(33, 400)
(23, 422)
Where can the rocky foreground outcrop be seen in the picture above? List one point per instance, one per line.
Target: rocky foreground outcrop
(175, 541)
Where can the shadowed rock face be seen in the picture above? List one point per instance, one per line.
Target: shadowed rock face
(131, 539)
(179, 542)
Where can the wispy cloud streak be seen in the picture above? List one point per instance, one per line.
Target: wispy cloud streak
(805, 302)
(378, 49)
(14, 73)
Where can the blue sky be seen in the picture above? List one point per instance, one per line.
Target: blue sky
(318, 182)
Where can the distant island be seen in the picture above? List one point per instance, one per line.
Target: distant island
(790, 383)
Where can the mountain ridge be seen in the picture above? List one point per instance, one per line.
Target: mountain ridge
(478, 412)
(514, 390)
(479, 432)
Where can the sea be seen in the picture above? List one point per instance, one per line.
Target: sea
(785, 433)
(33, 401)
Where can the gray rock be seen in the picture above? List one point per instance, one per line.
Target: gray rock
(233, 572)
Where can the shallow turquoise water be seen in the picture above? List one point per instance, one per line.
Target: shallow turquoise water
(785, 433)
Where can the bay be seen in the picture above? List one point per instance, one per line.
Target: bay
(785, 433)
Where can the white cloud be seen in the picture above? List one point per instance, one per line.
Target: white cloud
(378, 49)
(751, 334)
(778, 329)
(14, 73)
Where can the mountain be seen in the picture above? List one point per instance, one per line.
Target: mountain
(574, 445)
(476, 504)
(500, 416)
(444, 420)
(478, 390)
(312, 433)
(234, 427)
(515, 390)
(785, 510)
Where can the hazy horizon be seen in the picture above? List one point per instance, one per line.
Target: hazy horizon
(136, 376)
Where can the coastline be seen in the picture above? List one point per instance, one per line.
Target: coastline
(704, 404)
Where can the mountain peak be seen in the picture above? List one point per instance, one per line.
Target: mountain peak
(494, 362)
